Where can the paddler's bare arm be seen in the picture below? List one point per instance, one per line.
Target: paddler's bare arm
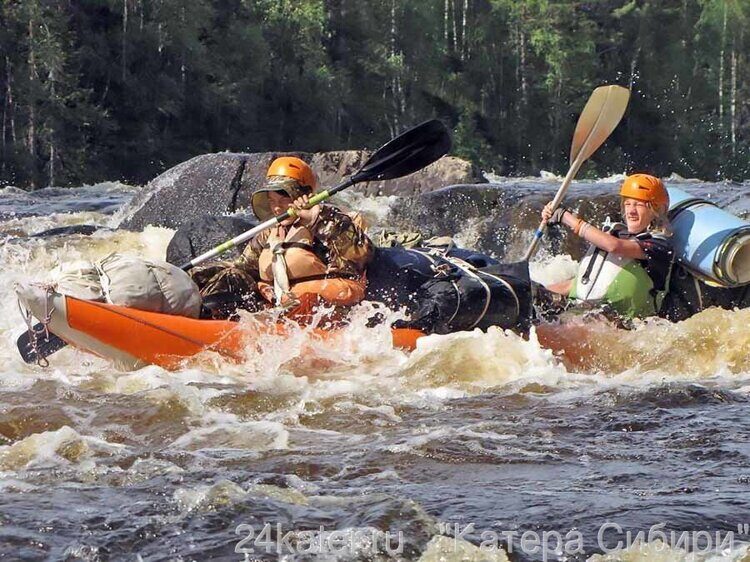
(590, 233)
(562, 287)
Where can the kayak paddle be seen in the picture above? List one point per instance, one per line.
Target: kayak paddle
(407, 153)
(599, 117)
(410, 151)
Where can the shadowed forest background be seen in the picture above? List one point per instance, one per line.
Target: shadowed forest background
(96, 90)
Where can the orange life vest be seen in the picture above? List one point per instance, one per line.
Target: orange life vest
(289, 261)
(295, 244)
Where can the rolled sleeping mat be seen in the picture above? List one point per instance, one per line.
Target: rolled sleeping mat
(712, 243)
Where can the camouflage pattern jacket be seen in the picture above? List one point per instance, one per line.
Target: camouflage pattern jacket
(339, 240)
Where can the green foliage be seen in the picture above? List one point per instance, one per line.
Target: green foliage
(108, 89)
(470, 144)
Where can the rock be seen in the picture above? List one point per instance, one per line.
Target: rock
(482, 217)
(207, 184)
(203, 233)
(71, 230)
(498, 218)
(80, 229)
(222, 183)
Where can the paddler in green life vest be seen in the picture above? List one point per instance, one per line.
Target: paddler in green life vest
(628, 265)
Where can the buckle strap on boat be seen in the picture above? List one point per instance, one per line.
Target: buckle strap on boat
(444, 265)
(458, 302)
(288, 245)
(471, 271)
(586, 277)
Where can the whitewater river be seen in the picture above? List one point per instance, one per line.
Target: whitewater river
(475, 445)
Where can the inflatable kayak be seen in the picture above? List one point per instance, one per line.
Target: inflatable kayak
(133, 338)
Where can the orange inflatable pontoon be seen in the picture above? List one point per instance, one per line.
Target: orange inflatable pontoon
(134, 338)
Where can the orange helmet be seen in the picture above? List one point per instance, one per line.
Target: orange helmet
(292, 167)
(645, 188)
(286, 174)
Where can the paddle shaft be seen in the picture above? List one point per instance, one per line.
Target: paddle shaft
(555, 204)
(245, 236)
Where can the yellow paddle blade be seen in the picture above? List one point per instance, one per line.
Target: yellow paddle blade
(602, 113)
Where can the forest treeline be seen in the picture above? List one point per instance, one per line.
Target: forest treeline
(96, 90)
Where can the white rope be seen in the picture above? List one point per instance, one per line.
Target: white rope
(34, 334)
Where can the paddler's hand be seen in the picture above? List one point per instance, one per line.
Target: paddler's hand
(552, 216)
(306, 216)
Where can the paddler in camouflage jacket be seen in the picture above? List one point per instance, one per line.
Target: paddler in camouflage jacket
(319, 255)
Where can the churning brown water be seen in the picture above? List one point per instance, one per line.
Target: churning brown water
(475, 446)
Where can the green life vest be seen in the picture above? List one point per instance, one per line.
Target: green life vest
(621, 282)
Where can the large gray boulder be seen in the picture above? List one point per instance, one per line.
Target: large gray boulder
(216, 184)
